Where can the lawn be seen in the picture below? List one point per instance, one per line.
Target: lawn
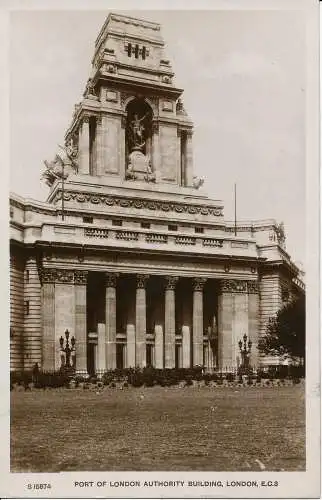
(222, 429)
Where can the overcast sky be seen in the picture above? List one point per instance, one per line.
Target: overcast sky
(243, 75)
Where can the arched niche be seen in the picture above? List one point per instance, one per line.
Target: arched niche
(138, 134)
(138, 140)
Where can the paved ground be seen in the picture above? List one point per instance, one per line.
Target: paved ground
(223, 429)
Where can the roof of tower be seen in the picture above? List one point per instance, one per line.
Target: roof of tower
(123, 25)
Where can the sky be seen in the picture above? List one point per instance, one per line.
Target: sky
(244, 80)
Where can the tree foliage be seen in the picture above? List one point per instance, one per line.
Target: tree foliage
(285, 336)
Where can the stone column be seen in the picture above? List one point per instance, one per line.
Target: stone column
(232, 321)
(83, 146)
(158, 346)
(110, 321)
(48, 319)
(101, 351)
(253, 320)
(80, 280)
(156, 150)
(186, 346)
(121, 145)
(197, 321)
(169, 322)
(140, 321)
(32, 321)
(99, 147)
(189, 158)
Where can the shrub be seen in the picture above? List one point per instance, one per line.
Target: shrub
(107, 377)
(52, 380)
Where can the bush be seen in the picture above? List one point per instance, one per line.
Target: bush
(52, 380)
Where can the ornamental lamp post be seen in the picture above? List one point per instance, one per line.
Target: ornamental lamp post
(245, 350)
(68, 350)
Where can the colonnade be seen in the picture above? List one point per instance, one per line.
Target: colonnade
(64, 306)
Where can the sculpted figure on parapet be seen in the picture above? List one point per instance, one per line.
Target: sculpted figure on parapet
(62, 165)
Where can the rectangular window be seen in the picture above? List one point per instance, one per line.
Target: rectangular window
(119, 356)
(116, 222)
(199, 230)
(143, 52)
(27, 276)
(172, 227)
(87, 219)
(149, 355)
(145, 225)
(26, 307)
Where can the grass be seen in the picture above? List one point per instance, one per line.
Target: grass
(204, 429)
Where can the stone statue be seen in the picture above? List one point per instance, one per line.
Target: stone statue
(197, 182)
(62, 165)
(280, 233)
(137, 129)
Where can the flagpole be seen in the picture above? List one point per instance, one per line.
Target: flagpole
(235, 209)
(62, 192)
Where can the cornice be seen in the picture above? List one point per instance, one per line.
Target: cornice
(139, 203)
(239, 286)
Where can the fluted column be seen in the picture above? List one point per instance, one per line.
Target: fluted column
(197, 320)
(99, 146)
(83, 146)
(110, 321)
(156, 151)
(140, 321)
(189, 158)
(169, 322)
(80, 280)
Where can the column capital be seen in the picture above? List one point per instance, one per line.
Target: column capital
(80, 277)
(141, 280)
(48, 275)
(155, 127)
(85, 118)
(123, 121)
(252, 286)
(171, 282)
(110, 280)
(99, 120)
(198, 284)
(239, 286)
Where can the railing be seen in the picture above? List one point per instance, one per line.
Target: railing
(156, 238)
(127, 235)
(185, 240)
(211, 242)
(95, 232)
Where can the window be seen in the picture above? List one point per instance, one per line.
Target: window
(11, 212)
(199, 230)
(145, 225)
(87, 219)
(26, 307)
(27, 276)
(136, 52)
(129, 50)
(172, 227)
(116, 222)
(149, 355)
(120, 349)
(143, 52)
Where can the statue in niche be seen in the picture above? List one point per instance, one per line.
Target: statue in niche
(138, 141)
(138, 129)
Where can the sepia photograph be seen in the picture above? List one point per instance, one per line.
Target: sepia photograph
(158, 248)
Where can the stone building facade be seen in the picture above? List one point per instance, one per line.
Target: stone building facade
(128, 253)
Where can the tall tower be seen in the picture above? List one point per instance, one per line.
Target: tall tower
(131, 124)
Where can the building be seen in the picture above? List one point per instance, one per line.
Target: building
(128, 253)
